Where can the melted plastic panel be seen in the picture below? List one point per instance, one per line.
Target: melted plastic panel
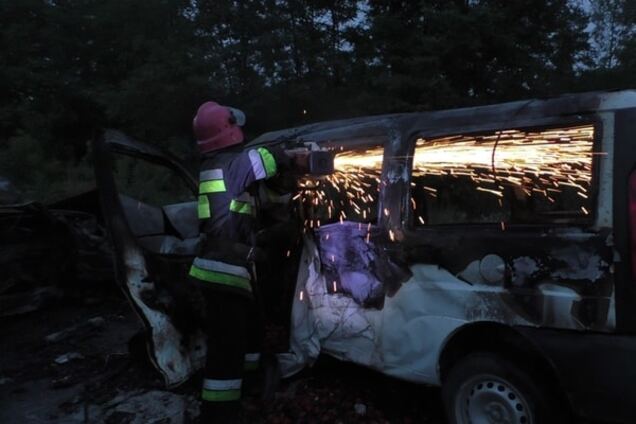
(529, 264)
(354, 262)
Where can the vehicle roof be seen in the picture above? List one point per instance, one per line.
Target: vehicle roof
(511, 114)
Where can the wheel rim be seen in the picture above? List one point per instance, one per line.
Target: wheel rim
(486, 399)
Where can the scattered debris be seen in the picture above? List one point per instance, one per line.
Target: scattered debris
(67, 357)
(96, 323)
(360, 408)
(60, 383)
(109, 387)
(140, 407)
(28, 301)
(48, 248)
(9, 194)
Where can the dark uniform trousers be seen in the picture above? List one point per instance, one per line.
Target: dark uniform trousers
(223, 270)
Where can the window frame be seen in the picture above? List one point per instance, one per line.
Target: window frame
(363, 142)
(157, 164)
(409, 217)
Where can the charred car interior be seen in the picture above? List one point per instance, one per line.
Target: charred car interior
(501, 230)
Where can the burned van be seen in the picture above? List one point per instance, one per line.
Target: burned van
(488, 250)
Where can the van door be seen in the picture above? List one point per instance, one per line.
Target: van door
(148, 202)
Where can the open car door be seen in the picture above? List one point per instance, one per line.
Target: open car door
(148, 201)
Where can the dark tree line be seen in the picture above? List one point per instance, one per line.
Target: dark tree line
(70, 67)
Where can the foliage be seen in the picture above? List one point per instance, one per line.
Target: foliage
(71, 67)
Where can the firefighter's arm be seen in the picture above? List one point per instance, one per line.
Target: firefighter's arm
(254, 165)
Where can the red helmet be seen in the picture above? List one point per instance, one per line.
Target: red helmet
(216, 126)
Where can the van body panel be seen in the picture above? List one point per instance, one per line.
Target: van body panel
(403, 339)
(595, 370)
(624, 164)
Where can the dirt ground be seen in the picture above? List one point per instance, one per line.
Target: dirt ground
(73, 363)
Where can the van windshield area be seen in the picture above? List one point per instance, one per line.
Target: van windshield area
(349, 194)
(510, 176)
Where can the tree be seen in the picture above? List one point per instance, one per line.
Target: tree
(612, 64)
(436, 53)
(612, 28)
(71, 67)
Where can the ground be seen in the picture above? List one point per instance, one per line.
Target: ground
(73, 362)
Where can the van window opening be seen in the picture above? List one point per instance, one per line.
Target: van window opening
(134, 177)
(508, 176)
(349, 194)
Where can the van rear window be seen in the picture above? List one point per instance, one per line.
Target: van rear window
(509, 176)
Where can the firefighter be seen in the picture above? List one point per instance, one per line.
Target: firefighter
(227, 208)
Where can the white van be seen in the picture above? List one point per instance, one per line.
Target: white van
(488, 250)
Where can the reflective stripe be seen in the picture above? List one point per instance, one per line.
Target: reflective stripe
(211, 181)
(212, 186)
(251, 361)
(250, 366)
(257, 165)
(212, 265)
(240, 207)
(209, 384)
(220, 395)
(268, 161)
(203, 207)
(211, 174)
(220, 278)
(252, 357)
(221, 390)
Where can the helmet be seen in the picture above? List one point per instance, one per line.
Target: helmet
(216, 126)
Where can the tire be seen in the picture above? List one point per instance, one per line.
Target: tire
(487, 388)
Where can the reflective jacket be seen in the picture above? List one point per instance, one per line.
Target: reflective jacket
(227, 208)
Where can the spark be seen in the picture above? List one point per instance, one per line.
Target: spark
(495, 192)
(300, 296)
(536, 163)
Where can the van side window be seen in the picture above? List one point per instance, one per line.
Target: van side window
(350, 194)
(508, 176)
(149, 182)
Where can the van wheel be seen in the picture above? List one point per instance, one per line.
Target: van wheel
(486, 388)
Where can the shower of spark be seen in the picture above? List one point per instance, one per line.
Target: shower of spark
(537, 162)
(350, 193)
(540, 162)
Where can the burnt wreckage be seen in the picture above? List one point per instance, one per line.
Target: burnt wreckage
(438, 232)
